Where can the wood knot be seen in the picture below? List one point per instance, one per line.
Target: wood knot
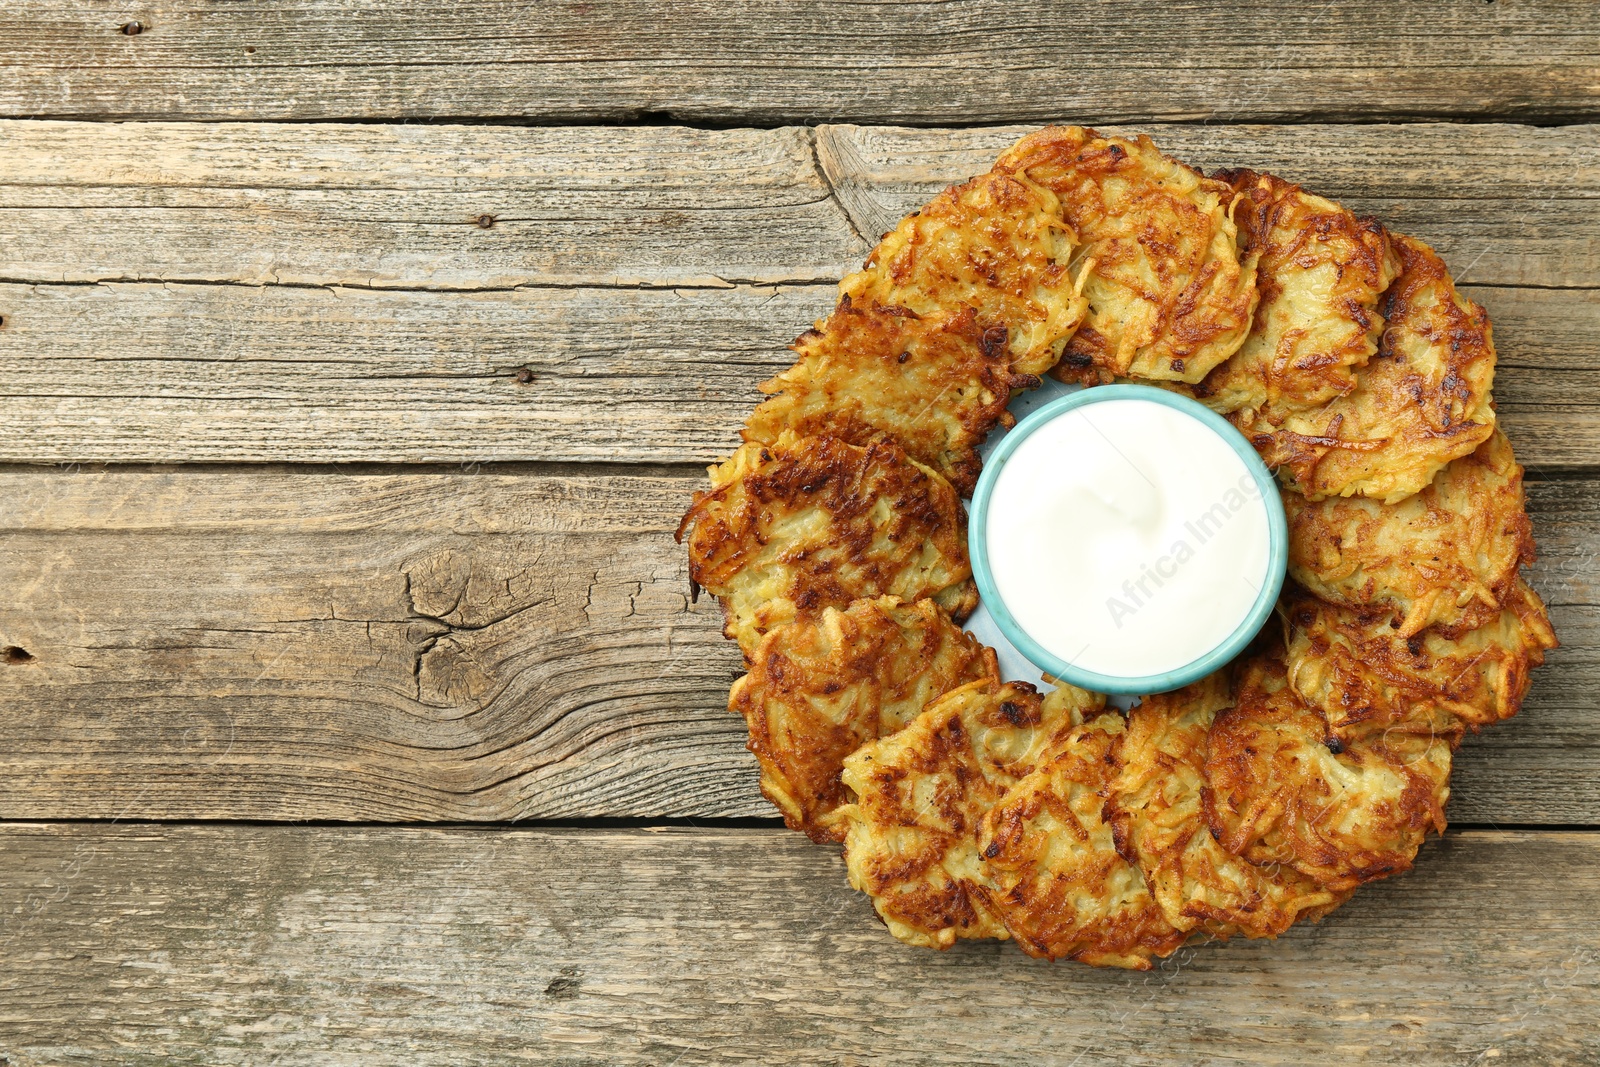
(131, 29)
(485, 222)
(565, 987)
(524, 375)
(14, 654)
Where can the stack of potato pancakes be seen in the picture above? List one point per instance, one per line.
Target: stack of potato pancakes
(835, 538)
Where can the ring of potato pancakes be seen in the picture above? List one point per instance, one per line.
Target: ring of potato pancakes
(835, 539)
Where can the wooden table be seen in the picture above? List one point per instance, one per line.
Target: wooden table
(354, 709)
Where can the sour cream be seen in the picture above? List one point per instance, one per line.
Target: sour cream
(1128, 537)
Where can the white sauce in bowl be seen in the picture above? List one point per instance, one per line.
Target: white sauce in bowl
(1127, 538)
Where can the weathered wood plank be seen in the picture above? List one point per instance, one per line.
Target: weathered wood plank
(494, 647)
(244, 945)
(399, 206)
(416, 207)
(158, 373)
(286, 645)
(152, 372)
(1548, 365)
(771, 61)
(267, 370)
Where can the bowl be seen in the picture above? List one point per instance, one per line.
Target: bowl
(1227, 646)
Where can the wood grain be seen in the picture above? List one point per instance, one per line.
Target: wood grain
(173, 373)
(202, 372)
(769, 61)
(297, 358)
(268, 644)
(399, 206)
(302, 646)
(444, 207)
(245, 945)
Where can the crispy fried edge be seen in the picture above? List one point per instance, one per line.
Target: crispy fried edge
(1020, 706)
(958, 598)
(1300, 456)
(1380, 662)
(1496, 456)
(1258, 911)
(804, 808)
(1263, 198)
(872, 281)
(1084, 360)
(828, 345)
(1040, 927)
(1244, 832)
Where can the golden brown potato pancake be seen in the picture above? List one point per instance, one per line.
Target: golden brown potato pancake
(1155, 805)
(1261, 796)
(1420, 402)
(1366, 677)
(1446, 557)
(1321, 271)
(813, 522)
(996, 244)
(921, 795)
(1285, 789)
(821, 687)
(935, 385)
(1170, 294)
(1051, 868)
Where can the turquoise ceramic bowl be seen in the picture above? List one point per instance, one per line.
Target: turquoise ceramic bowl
(1228, 645)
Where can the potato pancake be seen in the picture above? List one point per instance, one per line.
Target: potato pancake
(1051, 868)
(1285, 789)
(821, 687)
(1420, 402)
(1321, 271)
(921, 796)
(1446, 557)
(1366, 677)
(1170, 293)
(996, 244)
(1257, 797)
(935, 385)
(1156, 807)
(813, 522)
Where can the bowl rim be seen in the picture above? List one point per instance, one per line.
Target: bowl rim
(1059, 669)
